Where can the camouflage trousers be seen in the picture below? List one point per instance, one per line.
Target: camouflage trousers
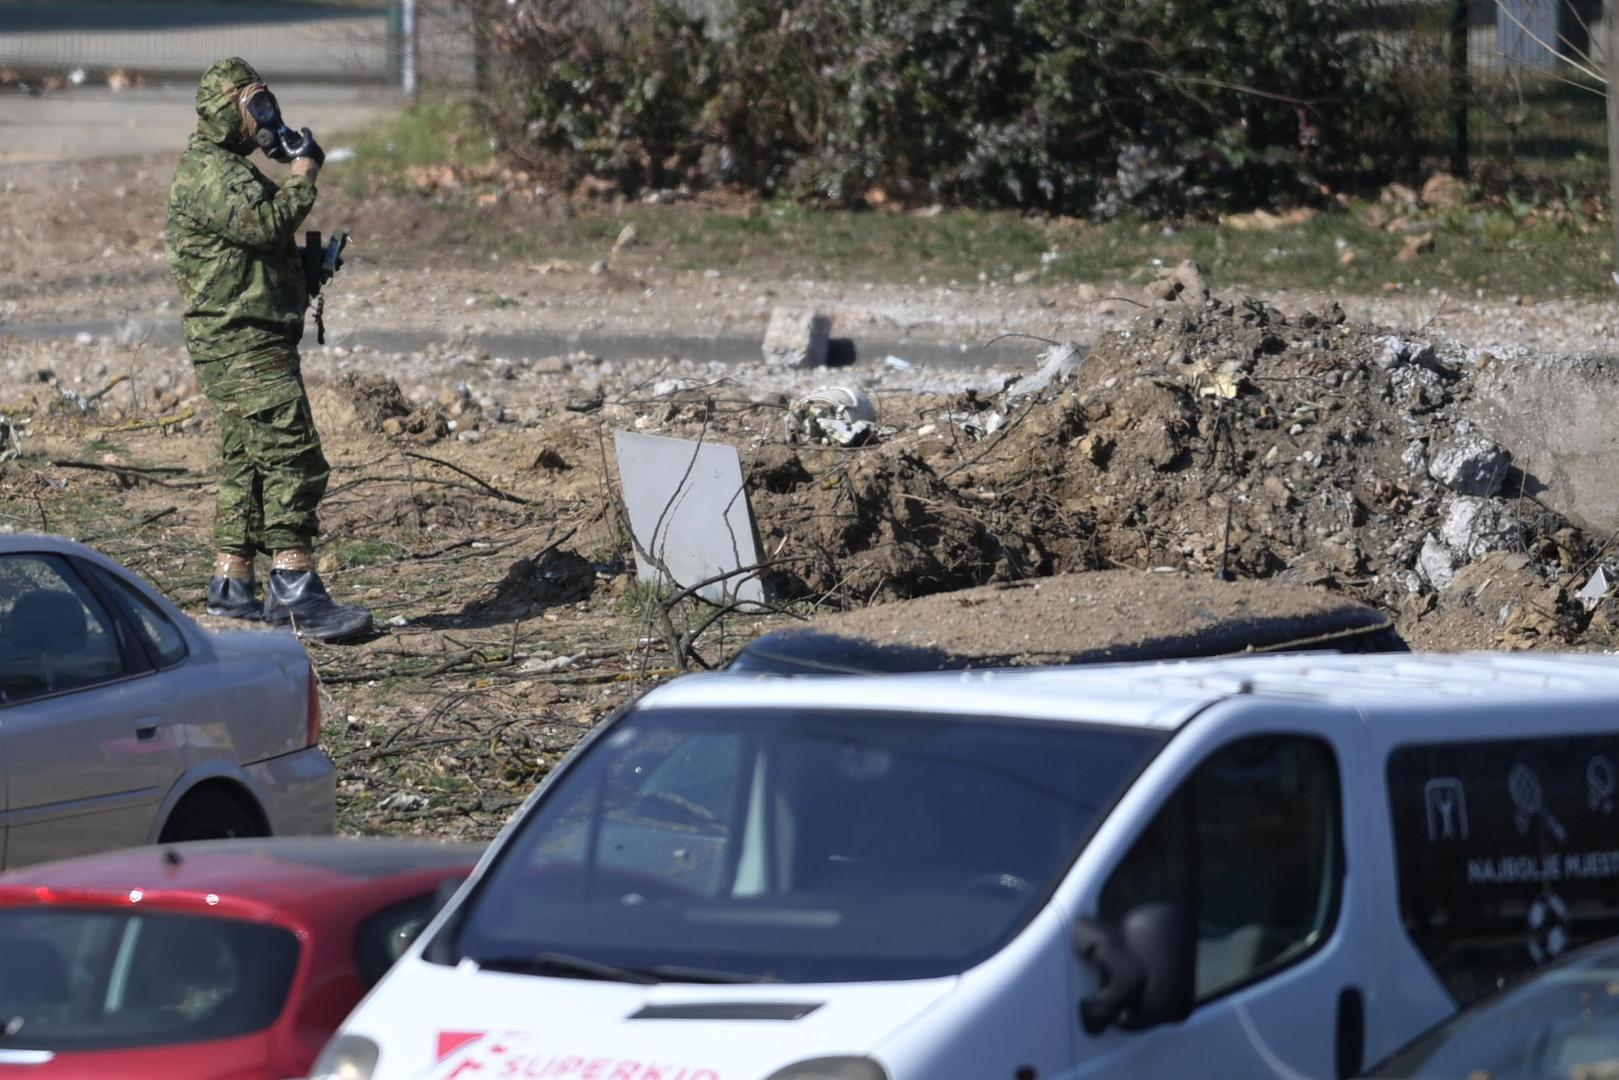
(272, 472)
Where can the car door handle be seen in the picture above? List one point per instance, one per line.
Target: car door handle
(1351, 1037)
(146, 728)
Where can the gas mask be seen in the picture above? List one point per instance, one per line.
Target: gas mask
(278, 141)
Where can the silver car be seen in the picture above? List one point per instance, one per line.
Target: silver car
(122, 721)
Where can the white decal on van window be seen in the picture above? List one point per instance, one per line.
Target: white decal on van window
(1447, 809)
(1527, 796)
(521, 1055)
(1548, 927)
(1600, 783)
(1515, 869)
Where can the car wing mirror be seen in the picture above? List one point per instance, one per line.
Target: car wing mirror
(1144, 972)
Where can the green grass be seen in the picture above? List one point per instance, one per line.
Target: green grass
(1501, 252)
(1525, 250)
(432, 133)
(103, 445)
(357, 553)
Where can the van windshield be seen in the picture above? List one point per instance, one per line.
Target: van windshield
(793, 846)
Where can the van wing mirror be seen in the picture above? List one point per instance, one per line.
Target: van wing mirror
(1145, 972)
(442, 895)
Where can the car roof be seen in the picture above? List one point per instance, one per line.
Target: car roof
(14, 542)
(288, 873)
(1165, 695)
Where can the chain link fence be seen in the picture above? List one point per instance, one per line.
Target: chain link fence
(1532, 95)
(348, 41)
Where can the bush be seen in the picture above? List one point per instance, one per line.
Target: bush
(1078, 106)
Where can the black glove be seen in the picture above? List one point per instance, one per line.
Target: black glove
(305, 146)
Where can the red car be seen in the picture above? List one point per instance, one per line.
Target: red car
(219, 960)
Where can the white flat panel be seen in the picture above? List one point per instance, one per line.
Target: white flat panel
(688, 509)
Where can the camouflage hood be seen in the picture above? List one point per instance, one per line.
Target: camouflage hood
(219, 120)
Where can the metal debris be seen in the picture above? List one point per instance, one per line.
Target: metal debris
(833, 416)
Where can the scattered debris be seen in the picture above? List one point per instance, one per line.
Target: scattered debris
(1184, 283)
(1597, 588)
(797, 338)
(10, 439)
(1058, 364)
(833, 416)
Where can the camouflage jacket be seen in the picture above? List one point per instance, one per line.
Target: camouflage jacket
(230, 235)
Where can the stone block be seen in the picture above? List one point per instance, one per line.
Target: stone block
(797, 338)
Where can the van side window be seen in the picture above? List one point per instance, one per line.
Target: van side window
(1250, 843)
(1506, 851)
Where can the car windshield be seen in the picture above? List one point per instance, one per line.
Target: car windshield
(1562, 1024)
(793, 846)
(88, 979)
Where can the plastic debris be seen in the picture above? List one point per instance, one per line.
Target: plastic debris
(1597, 588)
(1058, 364)
(10, 439)
(833, 416)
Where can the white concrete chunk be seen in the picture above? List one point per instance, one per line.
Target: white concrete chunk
(1470, 465)
(1470, 526)
(797, 338)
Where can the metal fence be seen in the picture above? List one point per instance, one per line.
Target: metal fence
(353, 41)
(1529, 110)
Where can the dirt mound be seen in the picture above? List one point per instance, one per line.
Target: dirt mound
(1310, 449)
(374, 404)
(1107, 614)
(1206, 437)
(873, 527)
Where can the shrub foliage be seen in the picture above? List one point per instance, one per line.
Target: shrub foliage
(1075, 106)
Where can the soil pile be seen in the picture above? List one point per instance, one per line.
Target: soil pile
(374, 404)
(1106, 615)
(881, 526)
(1208, 437)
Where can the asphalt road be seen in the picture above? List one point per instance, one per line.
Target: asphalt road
(95, 122)
(174, 38)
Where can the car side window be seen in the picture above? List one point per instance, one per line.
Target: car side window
(161, 637)
(1504, 852)
(1251, 845)
(55, 635)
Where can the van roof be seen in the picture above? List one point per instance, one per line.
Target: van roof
(1165, 695)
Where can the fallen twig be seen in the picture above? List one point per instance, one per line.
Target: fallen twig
(490, 488)
(156, 422)
(131, 473)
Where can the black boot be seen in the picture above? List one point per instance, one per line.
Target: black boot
(300, 595)
(234, 598)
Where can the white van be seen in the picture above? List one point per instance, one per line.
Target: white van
(1278, 866)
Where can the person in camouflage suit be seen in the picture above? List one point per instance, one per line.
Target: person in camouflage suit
(230, 245)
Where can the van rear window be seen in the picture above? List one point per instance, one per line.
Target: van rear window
(1507, 853)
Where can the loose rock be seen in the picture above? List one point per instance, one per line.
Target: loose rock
(1470, 465)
